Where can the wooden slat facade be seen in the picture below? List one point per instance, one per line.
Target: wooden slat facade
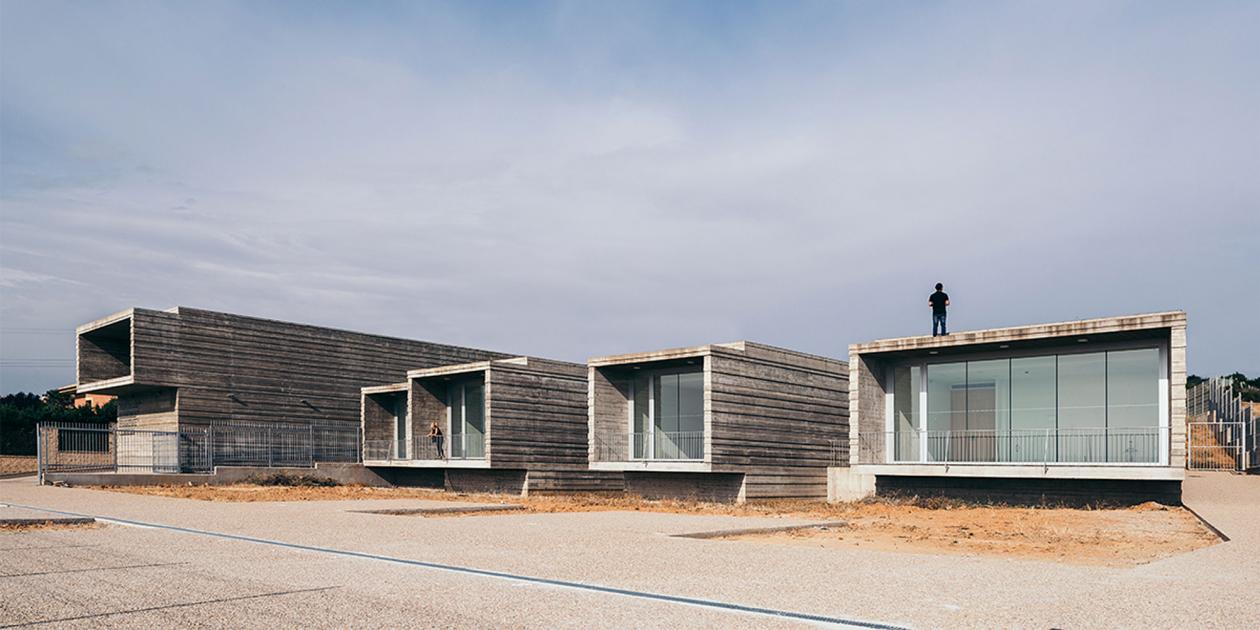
(221, 367)
(771, 418)
(535, 425)
(775, 414)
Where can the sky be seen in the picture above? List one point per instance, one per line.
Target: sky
(577, 179)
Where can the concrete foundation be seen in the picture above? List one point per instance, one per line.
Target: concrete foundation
(224, 475)
(1034, 491)
(715, 487)
(847, 484)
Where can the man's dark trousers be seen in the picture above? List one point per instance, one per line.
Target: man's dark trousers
(938, 320)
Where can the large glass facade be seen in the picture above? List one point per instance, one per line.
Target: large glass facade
(946, 407)
(668, 415)
(1132, 404)
(1091, 407)
(1034, 387)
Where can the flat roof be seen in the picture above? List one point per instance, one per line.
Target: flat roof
(384, 389)
(1112, 326)
(464, 368)
(660, 355)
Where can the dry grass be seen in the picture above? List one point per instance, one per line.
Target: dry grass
(10, 464)
(44, 526)
(1207, 452)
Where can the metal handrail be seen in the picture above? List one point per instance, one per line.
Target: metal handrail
(667, 445)
(1087, 445)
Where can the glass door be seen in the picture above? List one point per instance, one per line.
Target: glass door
(467, 415)
(400, 427)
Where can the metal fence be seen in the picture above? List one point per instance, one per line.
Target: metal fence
(1138, 445)
(424, 448)
(1224, 431)
(63, 447)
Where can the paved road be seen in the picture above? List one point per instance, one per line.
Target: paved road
(124, 575)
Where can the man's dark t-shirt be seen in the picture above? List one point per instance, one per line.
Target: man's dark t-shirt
(938, 301)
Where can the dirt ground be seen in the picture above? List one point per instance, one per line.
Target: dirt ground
(1111, 537)
(17, 464)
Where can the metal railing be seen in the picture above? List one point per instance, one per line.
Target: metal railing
(1215, 445)
(1224, 431)
(1138, 445)
(650, 446)
(64, 447)
(461, 446)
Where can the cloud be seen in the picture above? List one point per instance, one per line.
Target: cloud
(571, 180)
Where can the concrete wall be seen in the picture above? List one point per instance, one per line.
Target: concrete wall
(105, 352)
(149, 409)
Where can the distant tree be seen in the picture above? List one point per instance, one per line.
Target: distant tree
(1194, 379)
(20, 412)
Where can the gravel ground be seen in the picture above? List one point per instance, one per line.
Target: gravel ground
(630, 550)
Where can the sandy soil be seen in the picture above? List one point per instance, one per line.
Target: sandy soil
(17, 464)
(1110, 537)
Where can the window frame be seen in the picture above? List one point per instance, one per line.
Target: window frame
(1164, 425)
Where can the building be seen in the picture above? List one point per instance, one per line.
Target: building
(186, 369)
(508, 425)
(1084, 409)
(729, 421)
(84, 400)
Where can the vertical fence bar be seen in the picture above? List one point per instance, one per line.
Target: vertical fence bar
(39, 453)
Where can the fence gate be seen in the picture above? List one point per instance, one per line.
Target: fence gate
(1216, 445)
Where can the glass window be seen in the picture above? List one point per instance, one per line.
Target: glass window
(668, 415)
(947, 407)
(475, 420)
(1033, 421)
(467, 407)
(1133, 405)
(906, 386)
(691, 401)
(400, 426)
(1082, 407)
(642, 414)
(988, 408)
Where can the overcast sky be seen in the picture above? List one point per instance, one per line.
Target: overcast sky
(571, 180)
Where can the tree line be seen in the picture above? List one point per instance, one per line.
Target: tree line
(19, 413)
(1248, 388)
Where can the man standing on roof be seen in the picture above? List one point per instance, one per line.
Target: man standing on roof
(938, 301)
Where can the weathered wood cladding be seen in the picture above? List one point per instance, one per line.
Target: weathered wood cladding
(104, 353)
(608, 403)
(537, 415)
(378, 415)
(236, 368)
(427, 404)
(774, 416)
(152, 409)
(536, 421)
